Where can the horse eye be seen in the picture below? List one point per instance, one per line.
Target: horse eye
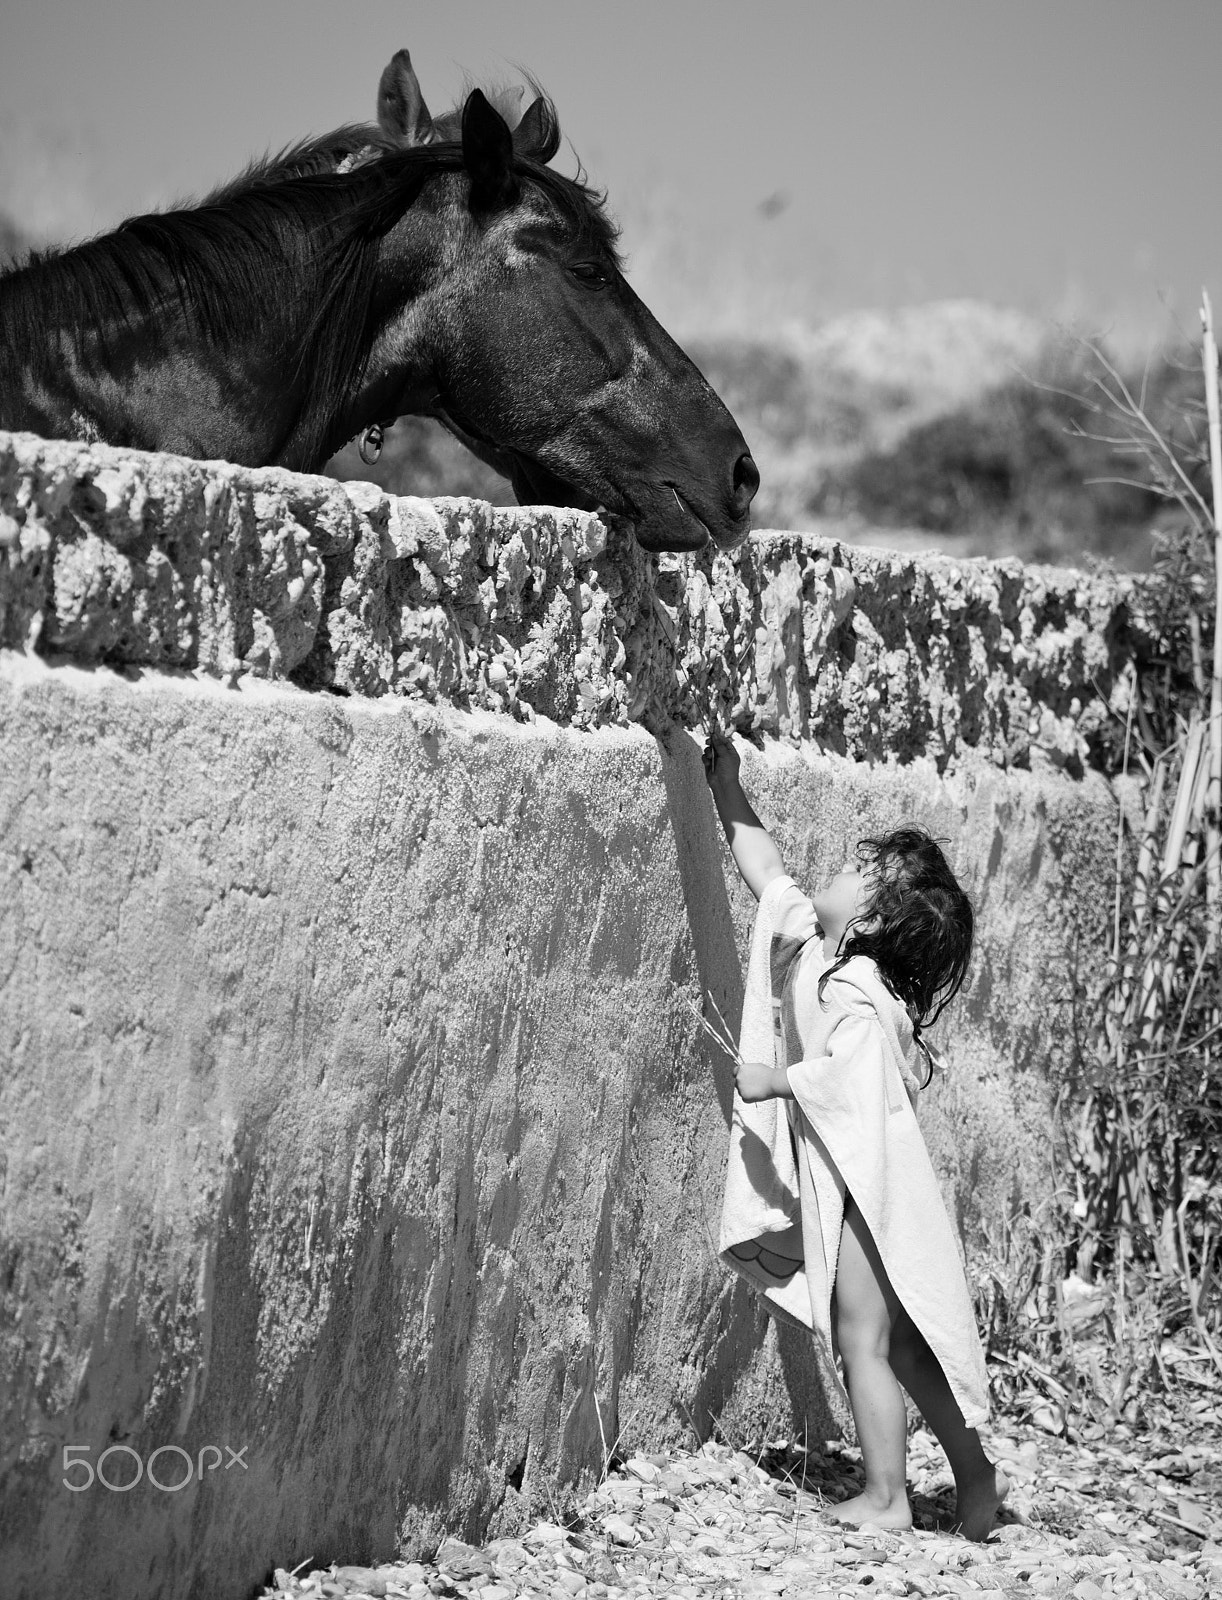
(589, 272)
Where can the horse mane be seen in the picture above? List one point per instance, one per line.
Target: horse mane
(305, 158)
(289, 218)
(224, 267)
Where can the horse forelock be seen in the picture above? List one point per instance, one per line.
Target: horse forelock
(583, 207)
(579, 208)
(538, 139)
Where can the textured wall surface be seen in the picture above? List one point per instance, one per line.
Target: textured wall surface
(124, 557)
(356, 1114)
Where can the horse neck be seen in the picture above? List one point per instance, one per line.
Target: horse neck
(414, 262)
(166, 298)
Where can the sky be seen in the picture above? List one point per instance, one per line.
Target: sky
(769, 160)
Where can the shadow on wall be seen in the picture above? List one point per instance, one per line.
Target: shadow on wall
(705, 866)
(703, 863)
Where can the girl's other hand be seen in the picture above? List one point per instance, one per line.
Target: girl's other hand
(720, 760)
(755, 1081)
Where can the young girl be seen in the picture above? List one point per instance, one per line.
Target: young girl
(833, 1209)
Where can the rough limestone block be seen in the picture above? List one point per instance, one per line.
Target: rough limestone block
(123, 556)
(26, 575)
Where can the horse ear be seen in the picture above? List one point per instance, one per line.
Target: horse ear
(487, 154)
(531, 135)
(402, 113)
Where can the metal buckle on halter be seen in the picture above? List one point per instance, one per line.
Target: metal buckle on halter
(369, 446)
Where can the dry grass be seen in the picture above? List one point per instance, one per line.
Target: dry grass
(1080, 1299)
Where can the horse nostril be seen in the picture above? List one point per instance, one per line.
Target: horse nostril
(746, 481)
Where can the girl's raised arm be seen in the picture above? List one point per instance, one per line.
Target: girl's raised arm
(755, 855)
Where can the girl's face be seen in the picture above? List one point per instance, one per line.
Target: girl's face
(841, 901)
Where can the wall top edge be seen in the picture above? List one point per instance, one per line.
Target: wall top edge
(131, 558)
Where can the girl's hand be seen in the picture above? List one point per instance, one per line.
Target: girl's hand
(755, 1081)
(720, 761)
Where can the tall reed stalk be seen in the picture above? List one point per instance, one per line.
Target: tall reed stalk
(1214, 786)
(1145, 1140)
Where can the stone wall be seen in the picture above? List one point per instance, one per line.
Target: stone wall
(130, 559)
(358, 883)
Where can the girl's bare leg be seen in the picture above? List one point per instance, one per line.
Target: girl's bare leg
(865, 1309)
(980, 1487)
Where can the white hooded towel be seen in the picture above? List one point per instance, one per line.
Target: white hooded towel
(851, 1127)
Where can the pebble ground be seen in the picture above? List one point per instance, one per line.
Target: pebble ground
(1114, 1517)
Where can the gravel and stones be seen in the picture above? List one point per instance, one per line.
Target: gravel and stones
(1084, 1520)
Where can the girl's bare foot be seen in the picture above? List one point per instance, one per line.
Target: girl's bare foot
(864, 1510)
(978, 1502)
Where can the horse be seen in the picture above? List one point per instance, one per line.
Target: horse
(436, 267)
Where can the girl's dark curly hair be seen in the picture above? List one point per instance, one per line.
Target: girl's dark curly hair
(916, 925)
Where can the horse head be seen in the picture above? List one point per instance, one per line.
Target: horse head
(430, 266)
(506, 315)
